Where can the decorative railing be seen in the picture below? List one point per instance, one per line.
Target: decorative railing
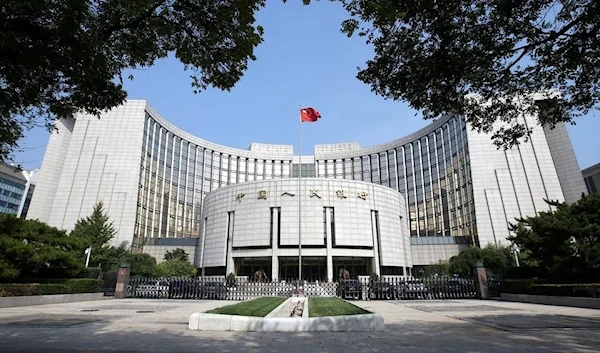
(362, 288)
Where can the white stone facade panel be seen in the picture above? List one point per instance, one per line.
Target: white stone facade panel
(509, 184)
(354, 230)
(101, 163)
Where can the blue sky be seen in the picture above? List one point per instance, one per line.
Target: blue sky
(304, 60)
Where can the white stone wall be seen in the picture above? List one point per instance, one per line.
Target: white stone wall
(565, 161)
(353, 224)
(52, 167)
(510, 184)
(101, 163)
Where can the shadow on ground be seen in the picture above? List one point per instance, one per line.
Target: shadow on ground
(145, 330)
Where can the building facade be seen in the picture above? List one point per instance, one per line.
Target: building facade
(16, 189)
(591, 176)
(157, 180)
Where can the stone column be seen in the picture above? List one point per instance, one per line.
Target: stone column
(375, 265)
(229, 263)
(481, 282)
(275, 248)
(329, 245)
(122, 282)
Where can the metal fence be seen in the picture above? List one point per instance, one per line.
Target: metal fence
(364, 288)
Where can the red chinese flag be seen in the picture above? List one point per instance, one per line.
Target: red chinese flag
(309, 115)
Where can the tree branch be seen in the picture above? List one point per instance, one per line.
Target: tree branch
(552, 35)
(134, 22)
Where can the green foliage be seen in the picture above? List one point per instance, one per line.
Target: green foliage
(436, 55)
(32, 249)
(96, 231)
(373, 277)
(442, 268)
(68, 286)
(590, 290)
(91, 273)
(60, 57)
(332, 307)
(114, 256)
(230, 280)
(518, 286)
(171, 268)
(177, 254)
(565, 242)
(494, 258)
(141, 264)
(258, 307)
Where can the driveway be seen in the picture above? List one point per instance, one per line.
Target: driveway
(146, 325)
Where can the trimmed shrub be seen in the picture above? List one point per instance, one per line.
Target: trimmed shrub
(63, 286)
(94, 273)
(524, 272)
(83, 285)
(591, 290)
(16, 290)
(518, 286)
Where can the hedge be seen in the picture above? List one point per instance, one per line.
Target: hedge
(589, 290)
(62, 286)
(518, 286)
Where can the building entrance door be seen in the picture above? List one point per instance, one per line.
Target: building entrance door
(313, 268)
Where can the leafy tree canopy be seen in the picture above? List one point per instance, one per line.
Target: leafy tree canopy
(175, 267)
(177, 254)
(494, 258)
(565, 241)
(32, 249)
(441, 268)
(96, 231)
(59, 57)
(447, 57)
(141, 264)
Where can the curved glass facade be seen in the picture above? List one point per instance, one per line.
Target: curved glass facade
(430, 168)
(177, 173)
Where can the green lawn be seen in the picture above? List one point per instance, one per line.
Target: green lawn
(332, 307)
(255, 307)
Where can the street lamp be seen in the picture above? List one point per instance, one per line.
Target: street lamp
(88, 252)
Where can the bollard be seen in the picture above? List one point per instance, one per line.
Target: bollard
(122, 281)
(481, 282)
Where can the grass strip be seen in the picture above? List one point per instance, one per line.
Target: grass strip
(332, 307)
(256, 307)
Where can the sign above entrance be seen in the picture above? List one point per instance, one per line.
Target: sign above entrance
(314, 193)
(240, 196)
(362, 195)
(288, 193)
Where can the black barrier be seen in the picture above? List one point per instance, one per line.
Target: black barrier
(394, 288)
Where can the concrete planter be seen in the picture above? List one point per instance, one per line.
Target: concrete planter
(10, 302)
(272, 323)
(577, 302)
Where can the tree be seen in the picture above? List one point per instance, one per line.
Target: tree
(177, 254)
(60, 57)
(565, 241)
(449, 57)
(494, 258)
(441, 268)
(172, 268)
(141, 264)
(31, 249)
(115, 255)
(96, 231)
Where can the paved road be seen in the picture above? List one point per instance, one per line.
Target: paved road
(137, 325)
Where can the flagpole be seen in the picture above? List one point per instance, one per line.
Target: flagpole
(300, 195)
